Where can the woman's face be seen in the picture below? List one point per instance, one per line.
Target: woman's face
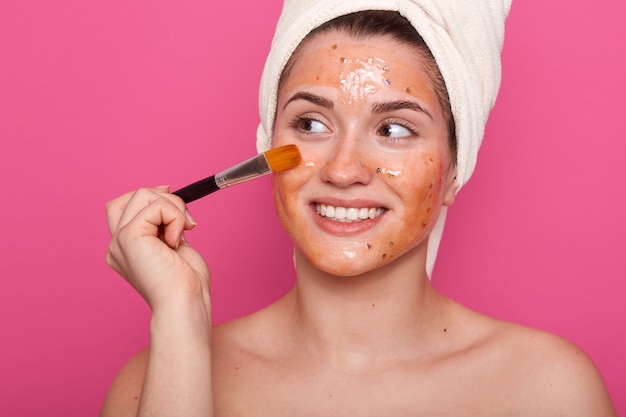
(376, 163)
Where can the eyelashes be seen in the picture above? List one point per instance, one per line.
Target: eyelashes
(308, 125)
(389, 130)
(396, 129)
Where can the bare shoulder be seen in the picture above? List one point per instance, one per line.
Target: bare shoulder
(551, 373)
(249, 364)
(253, 334)
(569, 380)
(244, 339)
(123, 396)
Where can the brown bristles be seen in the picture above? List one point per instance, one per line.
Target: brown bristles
(283, 157)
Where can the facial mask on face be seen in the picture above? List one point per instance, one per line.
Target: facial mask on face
(465, 38)
(362, 78)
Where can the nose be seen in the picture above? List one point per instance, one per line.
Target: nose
(346, 164)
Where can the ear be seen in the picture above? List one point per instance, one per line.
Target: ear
(450, 192)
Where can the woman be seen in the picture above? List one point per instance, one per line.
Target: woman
(385, 149)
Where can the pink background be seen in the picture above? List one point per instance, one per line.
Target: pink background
(99, 97)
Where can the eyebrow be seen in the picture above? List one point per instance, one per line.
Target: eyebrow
(399, 105)
(376, 107)
(312, 98)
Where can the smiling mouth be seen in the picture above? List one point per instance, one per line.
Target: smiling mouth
(348, 214)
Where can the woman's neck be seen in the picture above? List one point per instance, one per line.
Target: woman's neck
(365, 320)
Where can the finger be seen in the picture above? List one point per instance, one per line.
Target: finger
(160, 218)
(138, 200)
(114, 210)
(146, 240)
(123, 209)
(191, 222)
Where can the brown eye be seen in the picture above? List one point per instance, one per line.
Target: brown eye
(385, 130)
(306, 125)
(311, 125)
(395, 131)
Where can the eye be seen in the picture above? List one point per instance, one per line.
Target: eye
(309, 125)
(312, 125)
(395, 130)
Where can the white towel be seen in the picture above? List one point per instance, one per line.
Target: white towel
(464, 36)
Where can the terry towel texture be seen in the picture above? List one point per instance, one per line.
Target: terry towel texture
(465, 38)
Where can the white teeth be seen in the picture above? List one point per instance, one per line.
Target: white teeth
(347, 214)
(352, 214)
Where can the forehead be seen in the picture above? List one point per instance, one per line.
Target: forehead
(360, 65)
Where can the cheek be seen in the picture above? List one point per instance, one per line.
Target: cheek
(287, 193)
(419, 184)
(424, 200)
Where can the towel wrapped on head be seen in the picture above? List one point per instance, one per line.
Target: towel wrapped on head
(464, 36)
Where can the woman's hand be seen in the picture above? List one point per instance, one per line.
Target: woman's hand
(149, 250)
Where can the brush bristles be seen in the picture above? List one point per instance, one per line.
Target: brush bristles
(283, 157)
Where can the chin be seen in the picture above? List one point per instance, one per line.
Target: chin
(349, 265)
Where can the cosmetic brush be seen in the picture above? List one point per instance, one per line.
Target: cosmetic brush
(274, 160)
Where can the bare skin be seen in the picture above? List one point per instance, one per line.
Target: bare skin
(362, 332)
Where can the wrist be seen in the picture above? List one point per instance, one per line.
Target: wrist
(181, 318)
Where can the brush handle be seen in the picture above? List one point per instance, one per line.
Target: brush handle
(252, 168)
(198, 189)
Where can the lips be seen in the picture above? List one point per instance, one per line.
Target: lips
(348, 214)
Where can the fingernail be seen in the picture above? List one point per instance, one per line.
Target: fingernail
(181, 240)
(164, 188)
(190, 218)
